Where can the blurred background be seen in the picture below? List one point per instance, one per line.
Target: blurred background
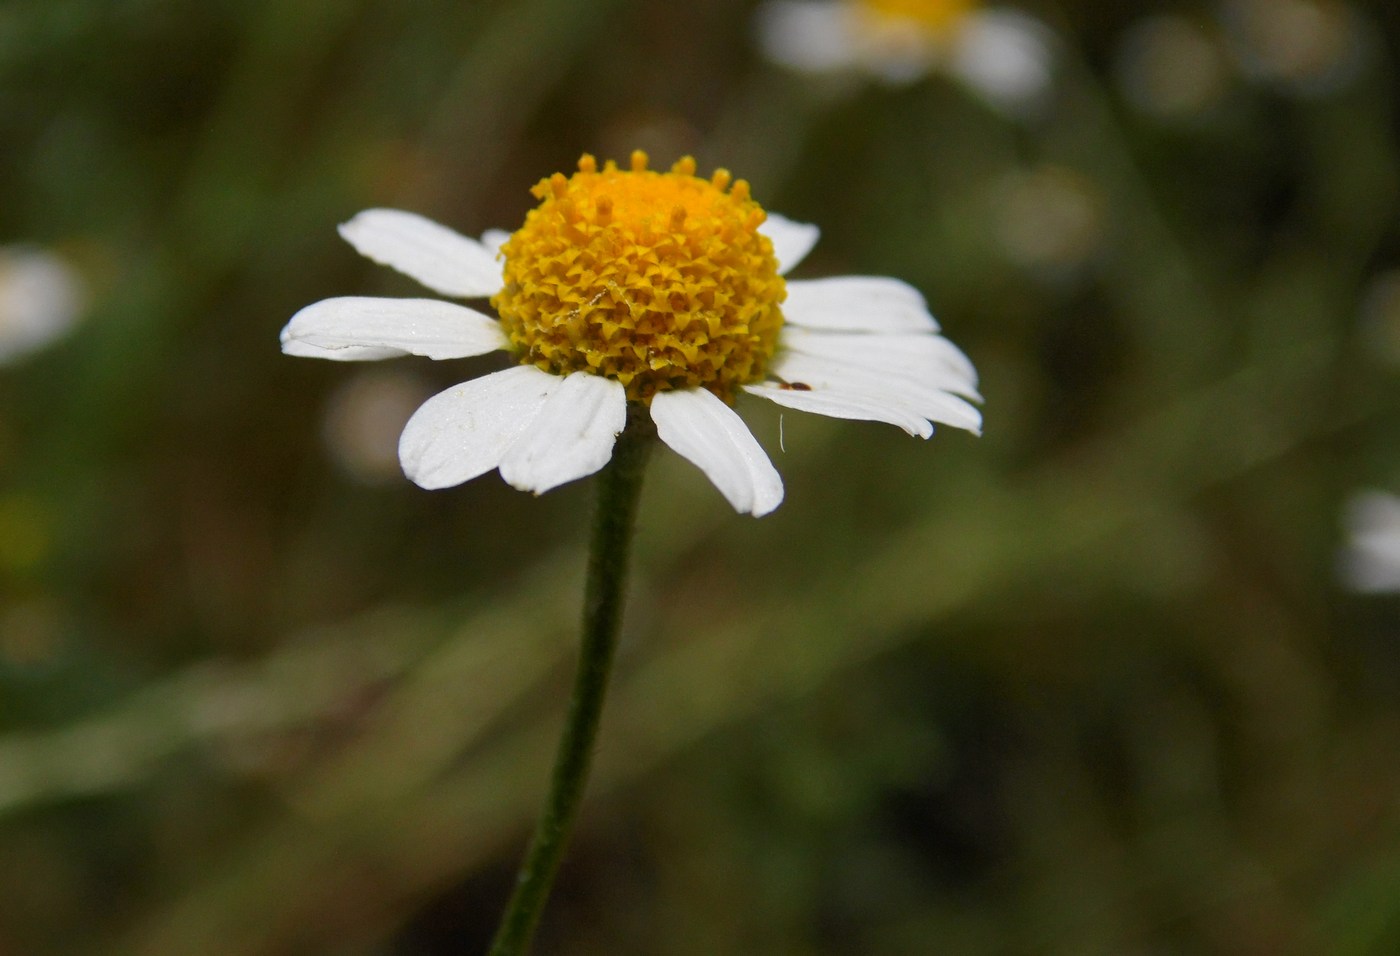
(1120, 677)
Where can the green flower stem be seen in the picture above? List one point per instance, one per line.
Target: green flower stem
(619, 488)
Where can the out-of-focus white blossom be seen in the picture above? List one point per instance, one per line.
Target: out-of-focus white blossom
(41, 296)
(1370, 563)
(1003, 55)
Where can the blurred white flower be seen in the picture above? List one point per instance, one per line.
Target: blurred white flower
(41, 296)
(1003, 55)
(1370, 563)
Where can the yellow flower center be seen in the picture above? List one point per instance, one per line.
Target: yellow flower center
(658, 280)
(937, 16)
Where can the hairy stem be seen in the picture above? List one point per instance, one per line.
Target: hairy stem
(619, 488)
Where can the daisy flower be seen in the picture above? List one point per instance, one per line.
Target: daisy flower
(661, 291)
(1001, 54)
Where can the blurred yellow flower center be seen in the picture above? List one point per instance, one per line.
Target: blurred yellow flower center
(658, 280)
(938, 16)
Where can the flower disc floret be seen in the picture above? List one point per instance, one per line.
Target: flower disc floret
(660, 281)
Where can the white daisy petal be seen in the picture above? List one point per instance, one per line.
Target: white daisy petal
(791, 240)
(915, 394)
(921, 355)
(857, 304)
(465, 431)
(709, 434)
(836, 404)
(360, 328)
(572, 436)
(344, 353)
(493, 239)
(442, 259)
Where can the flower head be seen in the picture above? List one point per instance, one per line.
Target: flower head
(660, 281)
(664, 291)
(1002, 55)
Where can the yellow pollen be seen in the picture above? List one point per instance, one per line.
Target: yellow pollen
(657, 280)
(937, 16)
